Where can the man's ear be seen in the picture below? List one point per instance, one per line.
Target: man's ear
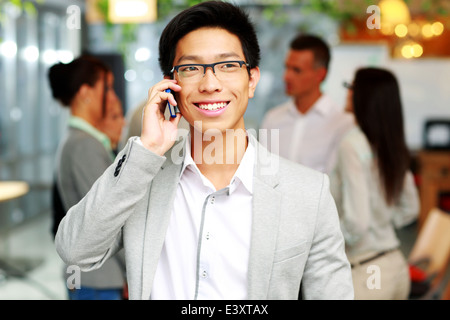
(253, 81)
(322, 73)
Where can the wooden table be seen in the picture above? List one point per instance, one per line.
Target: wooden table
(12, 189)
(434, 171)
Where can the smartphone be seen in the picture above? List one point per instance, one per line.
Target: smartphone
(173, 110)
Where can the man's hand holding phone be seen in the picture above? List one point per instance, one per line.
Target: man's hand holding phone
(158, 133)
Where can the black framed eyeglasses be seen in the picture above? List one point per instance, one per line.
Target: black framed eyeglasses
(347, 85)
(223, 70)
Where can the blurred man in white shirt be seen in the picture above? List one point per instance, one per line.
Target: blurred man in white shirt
(310, 124)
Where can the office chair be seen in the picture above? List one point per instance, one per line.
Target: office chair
(431, 252)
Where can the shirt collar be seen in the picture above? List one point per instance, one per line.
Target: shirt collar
(243, 174)
(245, 170)
(83, 125)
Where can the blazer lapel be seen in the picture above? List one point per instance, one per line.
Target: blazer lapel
(160, 203)
(266, 208)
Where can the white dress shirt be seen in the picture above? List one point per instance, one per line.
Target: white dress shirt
(309, 139)
(206, 249)
(368, 222)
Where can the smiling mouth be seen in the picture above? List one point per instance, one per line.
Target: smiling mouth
(212, 106)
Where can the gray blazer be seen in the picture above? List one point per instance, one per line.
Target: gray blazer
(295, 238)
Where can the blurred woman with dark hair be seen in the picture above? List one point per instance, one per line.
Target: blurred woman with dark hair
(374, 188)
(85, 85)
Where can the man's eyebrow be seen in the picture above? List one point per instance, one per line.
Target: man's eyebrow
(196, 58)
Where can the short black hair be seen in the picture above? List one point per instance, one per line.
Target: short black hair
(217, 14)
(318, 46)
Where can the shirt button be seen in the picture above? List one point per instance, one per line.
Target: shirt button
(204, 274)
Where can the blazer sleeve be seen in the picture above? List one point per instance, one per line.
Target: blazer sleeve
(90, 233)
(327, 273)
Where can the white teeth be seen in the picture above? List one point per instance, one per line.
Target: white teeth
(212, 106)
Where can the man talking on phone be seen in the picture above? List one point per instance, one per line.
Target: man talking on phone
(212, 215)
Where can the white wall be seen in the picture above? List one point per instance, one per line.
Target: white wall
(424, 83)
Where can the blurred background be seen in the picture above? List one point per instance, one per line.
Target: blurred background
(411, 38)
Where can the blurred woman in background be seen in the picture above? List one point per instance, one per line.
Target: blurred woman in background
(374, 188)
(85, 85)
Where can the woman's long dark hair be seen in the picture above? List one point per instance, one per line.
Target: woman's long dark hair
(378, 110)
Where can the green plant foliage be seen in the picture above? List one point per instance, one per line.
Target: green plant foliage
(24, 5)
(273, 10)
